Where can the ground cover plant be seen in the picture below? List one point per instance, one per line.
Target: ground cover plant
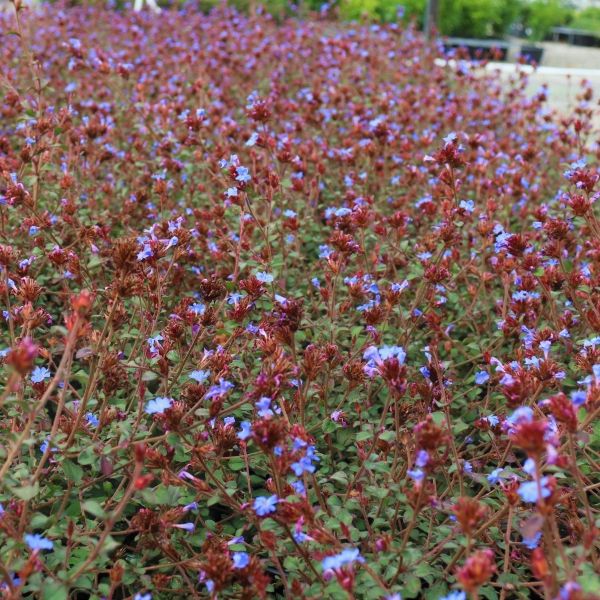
(291, 311)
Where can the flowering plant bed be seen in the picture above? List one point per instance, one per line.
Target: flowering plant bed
(290, 311)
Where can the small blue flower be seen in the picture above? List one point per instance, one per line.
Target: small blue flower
(265, 505)
(299, 488)
(528, 491)
(524, 414)
(264, 277)
(579, 398)
(482, 377)
(242, 175)
(199, 376)
(492, 420)
(145, 252)
(185, 526)
(533, 541)
(455, 595)
(252, 139)
(422, 458)
(240, 560)
(198, 308)
(220, 389)
(139, 596)
(245, 431)
(39, 374)
(345, 557)
(417, 475)
(495, 476)
(467, 205)
(263, 407)
(92, 419)
(37, 542)
(158, 406)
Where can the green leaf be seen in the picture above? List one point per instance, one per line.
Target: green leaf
(27, 492)
(94, 508)
(55, 591)
(73, 472)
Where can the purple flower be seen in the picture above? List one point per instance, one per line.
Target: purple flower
(139, 596)
(265, 505)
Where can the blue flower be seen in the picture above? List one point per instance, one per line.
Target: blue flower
(482, 377)
(265, 505)
(568, 590)
(185, 526)
(528, 491)
(299, 488)
(198, 308)
(345, 557)
(242, 175)
(417, 475)
(325, 251)
(304, 465)
(455, 595)
(139, 596)
(467, 205)
(495, 476)
(199, 376)
(92, 419)
(37, 542)
(240, 560)
(145, 252)
(264, 277)
(220, 389)
(422, 458)
(579, 398)
(524, 414)
(39, 374)
(252, 139)
(263, 406)
(158, 406)
(533, 541)
(245, 431)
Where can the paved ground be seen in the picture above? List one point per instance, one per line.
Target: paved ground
(562, 70)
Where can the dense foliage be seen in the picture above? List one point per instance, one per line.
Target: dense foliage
(291, 311)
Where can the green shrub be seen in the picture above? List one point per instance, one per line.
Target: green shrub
(540, 16)
(383, 10)
(477, 18)
(588, 19)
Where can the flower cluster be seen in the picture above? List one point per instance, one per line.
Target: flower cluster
(291, 309)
